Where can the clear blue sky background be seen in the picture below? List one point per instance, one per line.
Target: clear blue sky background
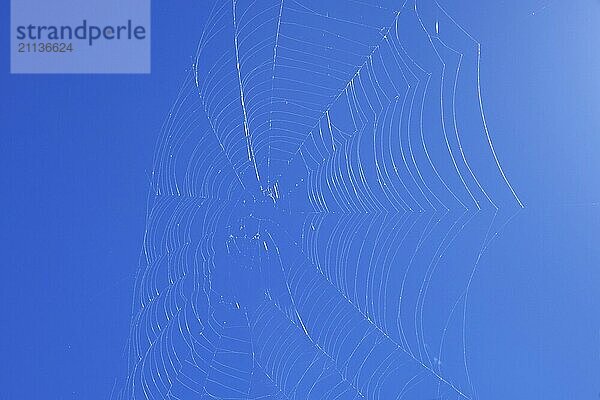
(74, 162)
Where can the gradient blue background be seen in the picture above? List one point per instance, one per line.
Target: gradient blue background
(73, 172)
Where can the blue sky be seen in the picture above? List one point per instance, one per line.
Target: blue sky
(76, 168)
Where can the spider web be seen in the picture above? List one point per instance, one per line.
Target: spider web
(322, 193)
